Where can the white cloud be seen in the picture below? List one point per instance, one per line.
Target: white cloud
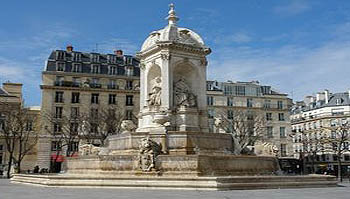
(238, 38)
(290, 68)
(292, 8)
(110, 45)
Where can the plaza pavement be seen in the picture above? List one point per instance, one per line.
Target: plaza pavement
(17, 191)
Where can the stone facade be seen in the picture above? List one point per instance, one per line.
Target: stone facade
(76, 82)
(11, 97)
(228, 97)
(317, 117)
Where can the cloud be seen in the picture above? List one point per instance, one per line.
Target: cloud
(293, 8)
(238, 38)
(296, 68)
(108, 46)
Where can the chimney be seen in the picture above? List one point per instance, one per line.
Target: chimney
(118, 52)
(326, 96)
(13, 89)
(69, 48)
(320, 96)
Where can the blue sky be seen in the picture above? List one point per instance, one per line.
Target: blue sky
(299, 47)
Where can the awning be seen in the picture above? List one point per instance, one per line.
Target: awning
(59, 158)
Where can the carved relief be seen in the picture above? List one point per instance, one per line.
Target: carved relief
(148, 152)
(128, 126)
(165, 56)
(204, 62)
(183, 94)
(154, 97)
(121, 83)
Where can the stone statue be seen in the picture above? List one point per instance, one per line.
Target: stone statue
(128, 126)
(155, 94)
(88, 149)
(183, 94)
(265, 149)
(148, 151)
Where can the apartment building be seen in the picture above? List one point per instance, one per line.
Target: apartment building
(77, 83)
(227, 97)
(314, 121)
(11, 99)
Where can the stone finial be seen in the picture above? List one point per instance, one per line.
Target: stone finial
(172, 18)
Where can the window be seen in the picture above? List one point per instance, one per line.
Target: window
(283, 132)
(112, 70)
(95, 69)
(60, 55)
(267, 104)
(29, 126)
(283, 150)
(73, 146)
(74, 128)
(74, 112)
(269, 130)
(1, 148)
(229, 114)
(129, 71)
(58, 112)
(112, 99)
(94, 128)
(229, 101)
(210, 100)
(94, 98)
(76, 81)
(280, 104)
(249, 102)
(95, 83)
(281, 116)
(59, 97)
(76, 68)
(59, 81)
(268, 116)
(94, 113)
(129, 85)
(76, 56)
(75, 97)
(60, 66)
(56, 146)
(129, 115)
(94, 57)
(211, 113)
(112, 84)
(129, 100)
(240, 90)
(57, 128)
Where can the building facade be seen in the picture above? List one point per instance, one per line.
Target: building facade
(76, 83)
(314, 121)
(228, 97)
(11, 99)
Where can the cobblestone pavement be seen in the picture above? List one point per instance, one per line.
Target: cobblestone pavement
(17, 191)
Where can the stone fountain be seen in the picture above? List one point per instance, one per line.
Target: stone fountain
(172, 146)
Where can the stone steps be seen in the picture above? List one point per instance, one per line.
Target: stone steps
(176, 182)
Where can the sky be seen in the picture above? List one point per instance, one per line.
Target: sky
(299, 47)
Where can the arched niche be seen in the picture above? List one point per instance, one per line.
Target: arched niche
(190, 73)
(153, 72)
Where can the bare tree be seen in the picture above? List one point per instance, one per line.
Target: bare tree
(18, 127)
(245, 126)
(312, 141)
(64, 130)
(338, 142)
(101, 123)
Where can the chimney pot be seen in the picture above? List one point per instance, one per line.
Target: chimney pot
(69, 48)
(118, 52)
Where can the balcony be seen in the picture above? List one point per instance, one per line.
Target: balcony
(95, 85)
(67, 84)
(111, 86)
